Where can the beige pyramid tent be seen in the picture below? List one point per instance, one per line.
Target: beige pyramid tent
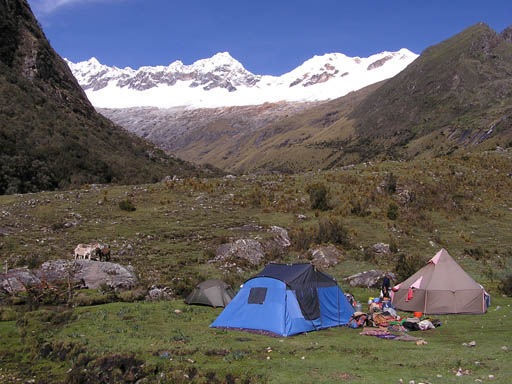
(215, 293)
(441, 286)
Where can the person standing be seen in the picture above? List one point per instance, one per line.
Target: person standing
(386, 285)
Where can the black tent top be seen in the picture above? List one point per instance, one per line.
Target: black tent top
(304, 279)
(298, 276)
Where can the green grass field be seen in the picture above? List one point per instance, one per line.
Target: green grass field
(463, 204)
(175, 341)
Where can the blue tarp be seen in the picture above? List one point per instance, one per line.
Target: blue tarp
(277, 309)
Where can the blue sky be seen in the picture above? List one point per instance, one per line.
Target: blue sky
(267, 37)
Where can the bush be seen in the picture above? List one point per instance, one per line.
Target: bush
(389, 183)
(136, 294)
(392, 211)
(332, 230)
(7, 314)
(506, 285)
(127, 205)
(302, 238)
(318, 196)
(408, 265)
(256, 198)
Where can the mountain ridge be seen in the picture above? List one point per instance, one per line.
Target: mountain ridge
(50, 135)
(222, 81)
(456, 97)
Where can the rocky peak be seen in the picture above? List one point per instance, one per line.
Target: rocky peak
(319, 78)
(507, 34)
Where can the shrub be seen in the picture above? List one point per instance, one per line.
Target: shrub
(389, 183)
(257, 197)
(506, 285)
(7, 314)
(136, 294)
(332, 230)
(127, 205)
(360, 207)
(476, 253)
(318, 196)
(408, 265)
(302, 238)
(392, 211)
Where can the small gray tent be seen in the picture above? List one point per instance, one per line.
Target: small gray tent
(440, 287)
(215, 293)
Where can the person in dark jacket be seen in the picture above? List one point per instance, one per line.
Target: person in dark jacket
(386, 285)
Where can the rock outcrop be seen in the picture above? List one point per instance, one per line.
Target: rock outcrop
(244, 249)
(91, 273)
(325, 257)
(369, 279)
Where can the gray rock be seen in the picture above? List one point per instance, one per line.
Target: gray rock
(381, 249)
(325, 257)
(158, 294)
(93, 273)
(404, 196)
(281, 237)
(246, 249)
(5, 232)
(15, 280)
(369, 279)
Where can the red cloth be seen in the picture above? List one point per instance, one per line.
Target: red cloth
(410, 294)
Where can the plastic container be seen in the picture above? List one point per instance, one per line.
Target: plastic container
(418, 314)
(376, 300)
(370, 300)
(358, 307)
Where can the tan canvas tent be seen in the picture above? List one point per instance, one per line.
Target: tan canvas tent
(215, 293)
(440, 287)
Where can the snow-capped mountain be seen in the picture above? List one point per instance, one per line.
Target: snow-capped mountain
(223, 81)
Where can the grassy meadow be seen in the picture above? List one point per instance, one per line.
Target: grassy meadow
(461, 203)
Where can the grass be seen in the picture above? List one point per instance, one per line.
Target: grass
(460, 203)
(173, 338)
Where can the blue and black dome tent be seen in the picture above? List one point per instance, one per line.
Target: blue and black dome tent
(286, 300)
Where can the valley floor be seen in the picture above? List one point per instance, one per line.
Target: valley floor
(463, 204)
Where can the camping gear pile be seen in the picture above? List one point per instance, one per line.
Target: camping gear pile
(382, 321)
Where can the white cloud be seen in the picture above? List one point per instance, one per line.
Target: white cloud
(42, 7)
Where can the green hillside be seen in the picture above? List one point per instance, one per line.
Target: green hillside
(50, 135)
(456, 97)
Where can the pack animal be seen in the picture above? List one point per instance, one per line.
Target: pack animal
(83, 251)
(104, 253)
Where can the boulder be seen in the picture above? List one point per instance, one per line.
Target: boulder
(281, 236)
(15, 280)
(381, 249)
(325, 257)
(369, 279)
(92, 273)
(404, 196)
(157, 294)
(246, 249)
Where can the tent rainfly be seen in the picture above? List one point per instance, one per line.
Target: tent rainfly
(286, 300)
(440, 287)
(215, 293)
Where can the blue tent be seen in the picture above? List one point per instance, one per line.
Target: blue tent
(286, 300)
